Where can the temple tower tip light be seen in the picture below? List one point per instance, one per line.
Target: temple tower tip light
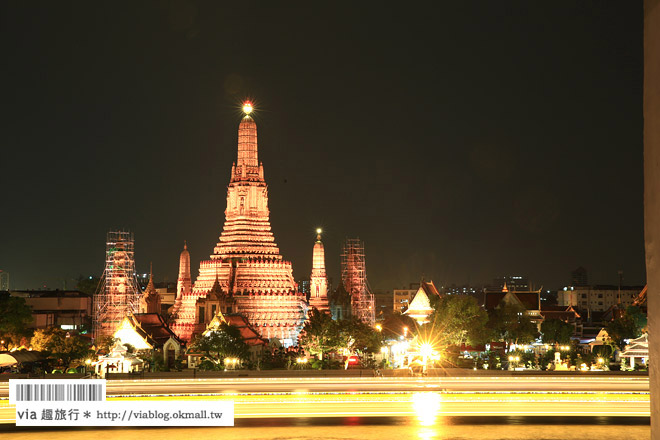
(247, 108)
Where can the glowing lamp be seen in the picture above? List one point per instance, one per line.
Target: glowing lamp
(247, 107)
(426, 349)
(319, 230)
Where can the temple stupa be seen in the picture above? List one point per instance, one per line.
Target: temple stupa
(246, 261)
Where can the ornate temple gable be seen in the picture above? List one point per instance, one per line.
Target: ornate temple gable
(215, 323)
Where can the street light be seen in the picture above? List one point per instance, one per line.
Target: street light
(231, 362)
(379, 327)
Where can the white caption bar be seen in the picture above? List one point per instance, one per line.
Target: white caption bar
(126, 413)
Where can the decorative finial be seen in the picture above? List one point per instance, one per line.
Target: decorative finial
(318, 233)
(151, 269)
(185, 245)
(247, 107)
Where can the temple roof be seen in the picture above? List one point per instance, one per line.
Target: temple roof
(529, 300)
(420, 307)
(429, 288)
(151, 328)
(638, 347)
(420, 302)
(559, 312)
(248, 334)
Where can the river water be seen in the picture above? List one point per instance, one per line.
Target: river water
(444, 428)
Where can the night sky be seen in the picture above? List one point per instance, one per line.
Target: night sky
(460, 142)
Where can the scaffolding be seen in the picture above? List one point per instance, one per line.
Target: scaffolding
(118, 293)
(4, 280)
(354, 278)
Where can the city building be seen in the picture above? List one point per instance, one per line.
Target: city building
(579, 277)
(246, 261)
(464, 289)
(167, 294)
(66, 309)
(598, 298)
(383, 303)
(402, 297)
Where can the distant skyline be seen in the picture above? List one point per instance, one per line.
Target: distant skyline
(459, 142)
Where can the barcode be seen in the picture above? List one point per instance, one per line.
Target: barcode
(59, 392)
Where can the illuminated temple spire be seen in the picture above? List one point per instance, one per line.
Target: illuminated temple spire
(247, 140)
(318, 280)
(150, 300)
(184, 284)
(246, 263)
(179, 312)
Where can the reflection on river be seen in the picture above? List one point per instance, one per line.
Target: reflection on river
(356, 428)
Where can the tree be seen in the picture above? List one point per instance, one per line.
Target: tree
(512, 325)
(220, 344)
(104, 344)
(458, 320)
(358, 336)
(393, 325)
(556, 331)
(87, 285)
(321, 334)
(627, 326)
(60, 344)
(15, 316)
